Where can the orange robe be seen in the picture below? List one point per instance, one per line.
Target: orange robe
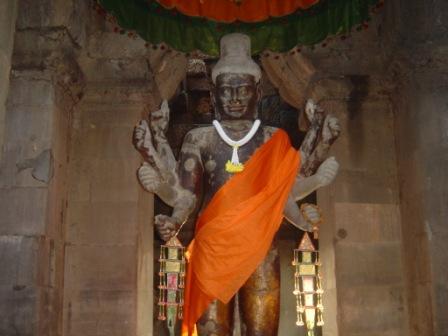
(235, 231)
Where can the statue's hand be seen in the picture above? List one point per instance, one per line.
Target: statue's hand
(149, 178)
(142, 139)
(159, 119)
(331, 129)
(327, 171)
(166, 226)
(313, 111)
(312, 214)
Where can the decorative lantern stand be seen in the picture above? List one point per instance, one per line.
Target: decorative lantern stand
(307, 285)
(171, 282)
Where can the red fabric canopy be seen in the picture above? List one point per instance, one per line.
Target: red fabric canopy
(229, 11)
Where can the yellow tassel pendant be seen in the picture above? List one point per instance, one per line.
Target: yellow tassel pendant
(234, 167)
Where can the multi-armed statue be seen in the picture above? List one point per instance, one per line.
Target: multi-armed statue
(243, 177)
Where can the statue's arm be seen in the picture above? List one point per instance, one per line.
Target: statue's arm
(159, 173)
(187, 189)
(303, 187)
(156, 174)
(325, 174)
(189, 171)
(328, 135)
(316, 171)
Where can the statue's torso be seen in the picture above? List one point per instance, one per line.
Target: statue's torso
(214, 153)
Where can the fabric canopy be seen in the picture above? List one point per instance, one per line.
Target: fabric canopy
(230, 11)
(156, 24)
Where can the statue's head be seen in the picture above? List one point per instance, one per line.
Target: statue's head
(236, 79)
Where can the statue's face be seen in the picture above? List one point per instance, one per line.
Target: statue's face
(236, 96)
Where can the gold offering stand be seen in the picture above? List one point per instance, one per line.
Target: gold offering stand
(308, 285)
(172, 265)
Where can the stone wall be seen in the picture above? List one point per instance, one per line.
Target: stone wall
(44, 87)
(418, 44)
(363, 219)
(361, 238)
(8, 14)
(109, 232)
(109, 258)
(33, 196)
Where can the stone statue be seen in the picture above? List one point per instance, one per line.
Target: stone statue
(191, 182)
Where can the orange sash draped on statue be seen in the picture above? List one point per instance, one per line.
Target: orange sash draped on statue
(235, 231)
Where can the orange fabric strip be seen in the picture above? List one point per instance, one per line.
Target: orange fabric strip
(235, 231)
(229, 11)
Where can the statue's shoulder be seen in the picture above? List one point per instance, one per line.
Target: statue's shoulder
(200, 135)
(268, 131)
(200, 131)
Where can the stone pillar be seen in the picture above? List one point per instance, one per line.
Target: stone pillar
(108, 272)
(361, 240)
(32, 198)
(8, 14)
(44, 88)
(422, 124)
(417, 51)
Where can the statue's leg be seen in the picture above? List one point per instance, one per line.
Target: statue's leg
(217, 320)
(259, 298)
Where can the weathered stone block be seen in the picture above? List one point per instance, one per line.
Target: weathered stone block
(373, 264)
(55, 13)
(441, 298)
(100, 312)
(105, 142)
(96, 115)
(80, 185)
(351, 56)
(103, 267)
(391, 332)
(23, 211)
(360, 223)
(102, 223)
(19, 260)
(18, 309)
(114, 181)
(32, 47)
(363, 187)
(439, 253)
(370, 309)
(31, 88)
(8, 9)
(333, 88)
(112, 45)
(114, 69)
(421, 312)
(28, 129)
(49, 309)
(13, 172)
(366, 143)
(62, 125)
(119, 94)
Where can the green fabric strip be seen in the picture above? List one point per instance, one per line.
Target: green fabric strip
(156, 24)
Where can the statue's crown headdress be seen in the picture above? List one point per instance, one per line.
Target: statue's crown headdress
(235, 57)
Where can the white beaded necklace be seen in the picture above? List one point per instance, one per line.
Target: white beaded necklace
(234, 165)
